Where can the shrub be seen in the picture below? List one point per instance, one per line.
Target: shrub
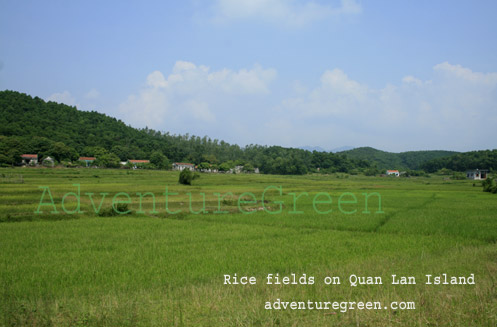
(119, 209)
(185, 177)
(459, 176)
(489, 185)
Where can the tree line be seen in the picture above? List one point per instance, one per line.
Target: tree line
(484, 159)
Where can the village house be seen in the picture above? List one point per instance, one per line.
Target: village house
(138, 163)
(181, 166)
(476, 174)
(29, 159)
(393, 172)
(87, 160)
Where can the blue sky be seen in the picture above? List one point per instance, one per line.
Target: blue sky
(394, 75)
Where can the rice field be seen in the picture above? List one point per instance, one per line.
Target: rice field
(164, 261)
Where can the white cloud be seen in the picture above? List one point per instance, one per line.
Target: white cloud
(156, 79)
(286, 12)
(199, 110)
(64, 97)
(466, 74)
(454, 110)
(148, 108)
(92, 94)
(187, 95)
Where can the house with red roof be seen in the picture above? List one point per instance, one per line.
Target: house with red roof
(393, 172)
(87, 160)
(29, 159)
(182, 165)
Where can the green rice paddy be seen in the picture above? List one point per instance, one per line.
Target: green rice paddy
(154, 268)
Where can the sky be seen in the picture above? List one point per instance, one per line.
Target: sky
(394, 75)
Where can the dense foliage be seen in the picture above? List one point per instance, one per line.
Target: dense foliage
(31, 125)
(404, 160)
(485, 159)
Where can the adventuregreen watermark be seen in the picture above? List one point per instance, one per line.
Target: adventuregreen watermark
(245, 203)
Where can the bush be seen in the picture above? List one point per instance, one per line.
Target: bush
(119, 209)
(459, 176)
(489, 185)
(186, 177)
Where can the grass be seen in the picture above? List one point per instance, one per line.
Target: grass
(159, 269)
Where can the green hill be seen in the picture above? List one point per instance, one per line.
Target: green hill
(484, 159)
(390, 160)
(32, 125)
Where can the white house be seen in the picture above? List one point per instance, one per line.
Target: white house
(476, 174)
(29, 159)
(393, 172)
(181, 166)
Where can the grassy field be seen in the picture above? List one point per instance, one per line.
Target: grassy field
(154, 268)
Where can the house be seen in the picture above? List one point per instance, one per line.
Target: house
(138, 163)
(393, 172)
(29, 159)
(88, 160)
(477, 174)
(181, 166)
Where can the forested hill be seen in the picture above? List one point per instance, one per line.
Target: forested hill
(390, 160)
(31, 125)
(484, 159)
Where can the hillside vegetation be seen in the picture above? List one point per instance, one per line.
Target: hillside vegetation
(31, 125)
(485, 159)
(390, 160)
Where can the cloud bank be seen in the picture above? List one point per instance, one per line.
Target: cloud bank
(455, 109)
(193, 96)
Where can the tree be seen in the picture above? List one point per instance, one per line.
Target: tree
(60, 152)
(122, 152)
(204, 166)
(248, 168)
(224, 167)
(109, 160)
(94, 151)
(5, 161)
(159, 160)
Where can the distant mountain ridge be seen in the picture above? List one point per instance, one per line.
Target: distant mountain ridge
(402, 160)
